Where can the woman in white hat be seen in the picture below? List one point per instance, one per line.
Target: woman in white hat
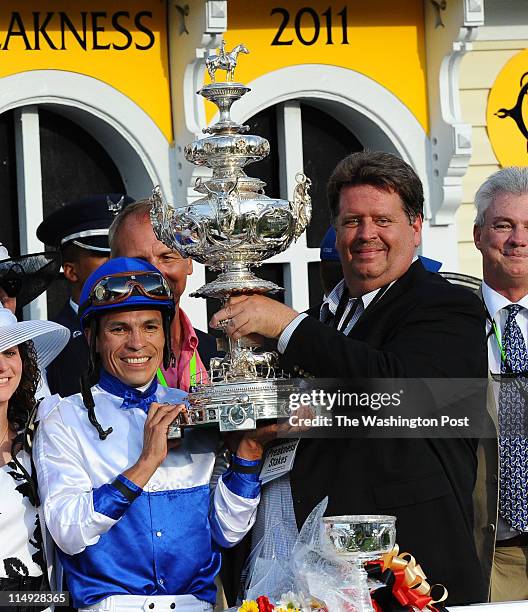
(25, 347)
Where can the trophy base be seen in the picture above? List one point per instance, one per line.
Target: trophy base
(235, 282)
(239, 405)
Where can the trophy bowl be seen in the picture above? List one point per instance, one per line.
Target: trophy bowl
(361, 537)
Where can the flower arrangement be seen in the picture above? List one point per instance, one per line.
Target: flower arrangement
(288, 602)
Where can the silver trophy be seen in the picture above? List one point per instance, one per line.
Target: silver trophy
(231, 229)
(358, 539)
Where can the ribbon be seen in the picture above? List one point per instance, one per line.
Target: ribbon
(405, 581)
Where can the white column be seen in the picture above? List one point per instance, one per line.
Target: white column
(29, 188)
(291, 162)
(195, 307)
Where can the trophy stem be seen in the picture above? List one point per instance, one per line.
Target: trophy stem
(236, 279)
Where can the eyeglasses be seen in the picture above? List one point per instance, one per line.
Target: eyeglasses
(117, 288)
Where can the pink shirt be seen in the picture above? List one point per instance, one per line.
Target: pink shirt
(180, 376)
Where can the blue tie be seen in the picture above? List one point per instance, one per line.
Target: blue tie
(132, 398)
(513, 445)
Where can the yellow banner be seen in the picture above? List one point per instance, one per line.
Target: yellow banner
(507, 112)
(122, 44)
(381, 39)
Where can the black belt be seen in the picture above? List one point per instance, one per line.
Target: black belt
(518, 540)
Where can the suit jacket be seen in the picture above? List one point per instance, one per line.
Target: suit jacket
(65, 371)
(422, 327)
(486, 493)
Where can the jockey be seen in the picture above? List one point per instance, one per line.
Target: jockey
(135, 520)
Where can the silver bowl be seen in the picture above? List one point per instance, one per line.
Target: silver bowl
(361, 537)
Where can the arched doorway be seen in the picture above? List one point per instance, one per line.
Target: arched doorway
(84, 137)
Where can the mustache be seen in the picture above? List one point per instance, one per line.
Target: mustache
(369, 244)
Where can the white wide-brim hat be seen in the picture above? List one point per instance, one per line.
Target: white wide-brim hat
(48, 337)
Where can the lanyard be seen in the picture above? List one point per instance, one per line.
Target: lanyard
(192, 373)
(499, 344)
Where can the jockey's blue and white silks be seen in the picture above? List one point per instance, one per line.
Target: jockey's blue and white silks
(116, 538)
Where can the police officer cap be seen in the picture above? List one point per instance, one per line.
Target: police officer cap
(328, 251)
(85, 222)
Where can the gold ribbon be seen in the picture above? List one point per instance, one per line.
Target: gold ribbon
(414, 576)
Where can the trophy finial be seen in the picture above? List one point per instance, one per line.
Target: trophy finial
(224, 60)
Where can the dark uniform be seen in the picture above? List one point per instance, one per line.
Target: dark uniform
(83, 224)
(64, 372)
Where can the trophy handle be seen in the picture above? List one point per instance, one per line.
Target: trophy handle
(302, 204)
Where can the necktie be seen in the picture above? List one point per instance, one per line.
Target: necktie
(513, 445)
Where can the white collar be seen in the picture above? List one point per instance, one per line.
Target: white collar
(495, 302)
(333, 298)
(74, 306)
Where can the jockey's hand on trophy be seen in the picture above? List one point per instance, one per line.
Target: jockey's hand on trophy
(155, 443)
(244, 315)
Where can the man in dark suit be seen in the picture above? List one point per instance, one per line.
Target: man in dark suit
(80, 231)
(131, 235)
(389, 318)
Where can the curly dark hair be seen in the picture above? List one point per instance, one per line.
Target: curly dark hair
(23, 399)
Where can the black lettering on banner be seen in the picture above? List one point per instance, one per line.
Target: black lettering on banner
(286, 17)
(328, 16)
(96, 28)
(40, 28)
(16, 20)
(317, 26)
(66, 23)
(344, 25)
(120, 28)
(303, 17)
(143, 28)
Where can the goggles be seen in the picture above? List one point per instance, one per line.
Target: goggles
(117, 288)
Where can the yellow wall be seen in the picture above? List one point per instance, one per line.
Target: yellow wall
(139, 73)
(385, 42)
(478, 72)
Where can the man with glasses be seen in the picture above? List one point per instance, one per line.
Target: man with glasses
(501, 235)
(126, 500)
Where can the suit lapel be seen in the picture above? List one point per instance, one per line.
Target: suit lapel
(393, 292)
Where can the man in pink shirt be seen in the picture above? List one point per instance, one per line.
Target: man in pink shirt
(131, 235)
